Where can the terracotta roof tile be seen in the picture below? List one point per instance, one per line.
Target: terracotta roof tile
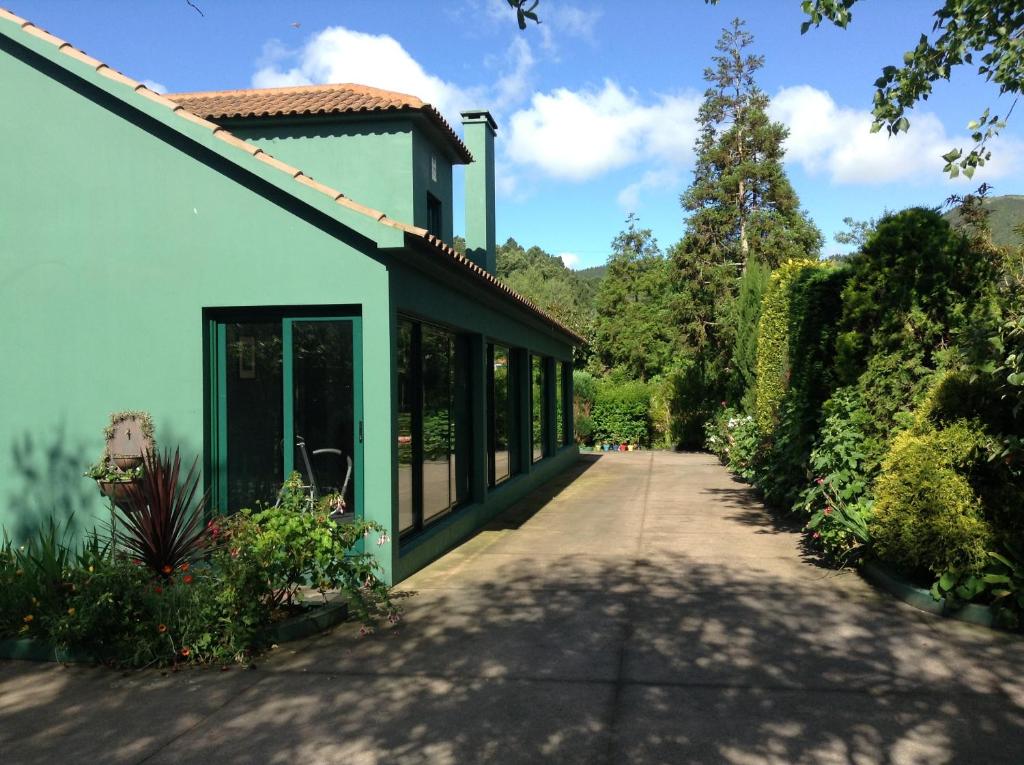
(317, 186)
(308, 100)
(180, 108)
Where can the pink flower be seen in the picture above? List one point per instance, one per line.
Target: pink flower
(819, 481)
(828, 510)
(816, 535)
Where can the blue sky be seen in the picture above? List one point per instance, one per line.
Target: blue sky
(595, 106)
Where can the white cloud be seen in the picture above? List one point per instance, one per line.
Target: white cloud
(577, 135)
(668, 179)
(155, 86)
(836, 141)
(514, 85)
(337, 54)
(570, 259)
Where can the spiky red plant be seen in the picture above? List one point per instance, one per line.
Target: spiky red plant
(163, 524)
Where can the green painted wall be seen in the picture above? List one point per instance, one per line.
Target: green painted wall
(424, 151)
(381, 163)
(112, 242)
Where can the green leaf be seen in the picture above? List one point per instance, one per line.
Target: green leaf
(948, 579)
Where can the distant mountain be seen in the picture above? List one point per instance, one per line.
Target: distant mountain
(1005, 213)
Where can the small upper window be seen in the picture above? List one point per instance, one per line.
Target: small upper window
(434, 215)
(433, 169)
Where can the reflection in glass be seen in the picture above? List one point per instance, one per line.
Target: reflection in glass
(438, 424)
(500, 403)
(255, 429)
(323, 389)
(406, 403)
(537, 406)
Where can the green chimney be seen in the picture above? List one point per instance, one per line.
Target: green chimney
(479, 128)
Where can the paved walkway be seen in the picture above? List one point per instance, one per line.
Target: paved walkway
(642, 608)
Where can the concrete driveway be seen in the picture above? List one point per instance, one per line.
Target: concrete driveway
(641, 608)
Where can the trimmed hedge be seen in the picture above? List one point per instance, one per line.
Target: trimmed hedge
(621, 413)
(773, 352)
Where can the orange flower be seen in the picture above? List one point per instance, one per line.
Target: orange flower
(185, 651)
(158, 590)
(187, 579)
(162, 629)
(28, 619)
(183, 567)
(167, 569)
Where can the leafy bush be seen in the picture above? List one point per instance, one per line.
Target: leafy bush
(621, 412)
(926, 516)
(97, 598)
(735, 439)
(911, 287)
(584, 429)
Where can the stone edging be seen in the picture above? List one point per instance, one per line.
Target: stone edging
(317, 619)
(922, 599)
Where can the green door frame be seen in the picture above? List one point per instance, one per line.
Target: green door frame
(216, 435)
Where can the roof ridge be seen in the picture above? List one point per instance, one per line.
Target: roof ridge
(225, 135)
(310, 88)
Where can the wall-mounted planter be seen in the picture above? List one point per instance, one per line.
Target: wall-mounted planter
(116, 491)
(922, 599)
(126, 461)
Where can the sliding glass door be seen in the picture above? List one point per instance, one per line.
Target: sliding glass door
(434, 428)
(287, 396)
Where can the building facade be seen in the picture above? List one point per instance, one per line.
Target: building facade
(168, 254)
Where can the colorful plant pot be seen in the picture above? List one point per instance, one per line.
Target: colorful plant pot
(622, 447)
(632, 447)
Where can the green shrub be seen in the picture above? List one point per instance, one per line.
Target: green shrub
(911, 288)
(621, 412)
(926, 516)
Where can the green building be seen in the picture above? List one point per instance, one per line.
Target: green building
(168, 254)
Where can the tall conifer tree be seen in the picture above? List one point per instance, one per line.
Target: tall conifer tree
(742, 209)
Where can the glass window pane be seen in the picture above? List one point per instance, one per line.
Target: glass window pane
(559, 406)
(324, 393)
(567, 435)
(255, 424)
(537, 406)
(437, 421)
(406, 398)
(500, 415)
